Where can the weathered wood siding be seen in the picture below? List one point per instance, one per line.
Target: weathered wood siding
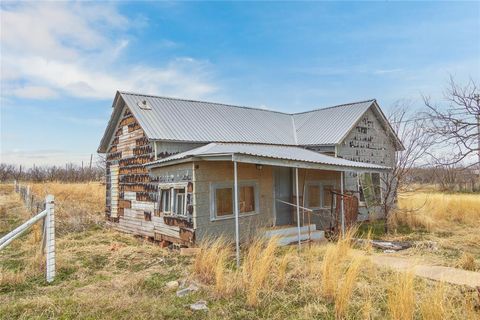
(167, 227)
(367, 142)
(206, 173)
(132, 192)
(132, 202)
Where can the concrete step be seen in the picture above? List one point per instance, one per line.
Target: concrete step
(316, 235)
(288, 231)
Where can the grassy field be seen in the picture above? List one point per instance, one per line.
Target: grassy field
(106, 274)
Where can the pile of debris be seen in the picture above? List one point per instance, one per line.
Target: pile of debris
(388, 246)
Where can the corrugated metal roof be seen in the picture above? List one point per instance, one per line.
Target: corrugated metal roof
(189, 120)
(329, 125)
(267, 151)
(198, 121)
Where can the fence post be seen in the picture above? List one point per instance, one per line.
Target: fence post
(50, 237)
(27, 198)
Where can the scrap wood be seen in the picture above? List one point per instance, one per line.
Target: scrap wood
(386, 245)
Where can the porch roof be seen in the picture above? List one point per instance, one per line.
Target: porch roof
(275, 155)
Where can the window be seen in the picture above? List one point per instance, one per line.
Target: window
(174, 200)
(222, 199)
(179, 201)
(319, 195)
(165, 198)
(313, 196)
(247, 199)
(223, 202)
(328, 196)
(370, 188)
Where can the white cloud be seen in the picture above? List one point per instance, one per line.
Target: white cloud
(34, 92)
(52, 49)
(386, 71)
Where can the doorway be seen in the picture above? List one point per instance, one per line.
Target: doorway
(283, 191)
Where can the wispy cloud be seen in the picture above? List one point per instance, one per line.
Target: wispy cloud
(386, 71)
(53, 49)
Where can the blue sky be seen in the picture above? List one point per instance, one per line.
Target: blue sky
(61, 63)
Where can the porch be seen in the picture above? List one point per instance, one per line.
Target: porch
(233, 196)
(288, 234)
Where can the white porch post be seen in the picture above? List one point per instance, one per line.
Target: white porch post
(235, 190)
(342, 206)
(298, 206)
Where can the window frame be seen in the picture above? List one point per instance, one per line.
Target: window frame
(171, 187)
(175, 198)
(229, 184)
(321, 184)
(377, 198)
(162, 202)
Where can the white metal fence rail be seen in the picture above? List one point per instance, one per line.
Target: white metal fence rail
(48, 242)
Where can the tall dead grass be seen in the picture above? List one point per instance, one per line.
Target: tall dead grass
(78, 206)
(435, 306)
(340, 272)
(435, 211)
(211, 267)
(210, 262)
(257, 268)
(401, 296)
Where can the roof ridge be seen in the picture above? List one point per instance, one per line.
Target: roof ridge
(244, 107)
(203, 101)
(294, 130)
(336, 106)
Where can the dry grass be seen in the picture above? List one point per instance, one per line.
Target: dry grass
(335, 256)
(345, 287)
(78, 206)
(209, 263)
(103, 274)
(436, 211)
(257, 268)
(401, 297)
(467, 262)
(435, 305)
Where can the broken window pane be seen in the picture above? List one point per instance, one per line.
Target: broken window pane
(376, 187)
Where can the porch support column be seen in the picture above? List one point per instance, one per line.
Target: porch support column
(235, 197)
(342, 206)
(298, 206)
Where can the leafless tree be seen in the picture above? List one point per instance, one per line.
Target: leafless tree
(69, 173)
(456, 126)
(410, 127)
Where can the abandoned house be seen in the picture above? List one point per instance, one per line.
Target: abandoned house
(175, 168)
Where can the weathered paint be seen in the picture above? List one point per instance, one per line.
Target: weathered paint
(207, 173)
(367, 142)
(168, 227)
(321, 217)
